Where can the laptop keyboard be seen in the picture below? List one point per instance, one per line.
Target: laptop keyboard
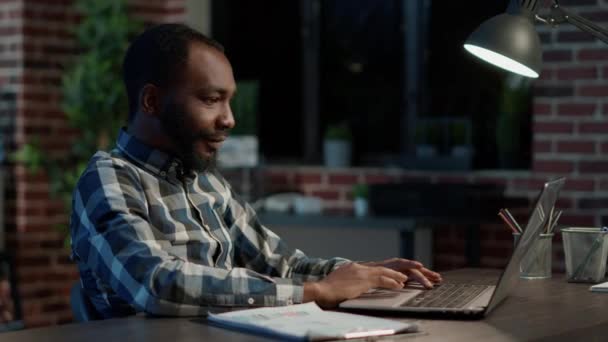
(448, 295)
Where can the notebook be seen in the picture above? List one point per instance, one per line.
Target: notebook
(308, 322)
(469, 299)
(602, 287)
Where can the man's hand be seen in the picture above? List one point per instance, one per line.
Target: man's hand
(413, 269)
(350, 281)
(353, 279)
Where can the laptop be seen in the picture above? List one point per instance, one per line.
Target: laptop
(464, 299)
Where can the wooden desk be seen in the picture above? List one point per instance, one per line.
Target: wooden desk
(539, 310)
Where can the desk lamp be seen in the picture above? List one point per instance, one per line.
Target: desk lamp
(510, 41)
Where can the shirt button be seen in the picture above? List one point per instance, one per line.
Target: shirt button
(163, 173)
(250, 301)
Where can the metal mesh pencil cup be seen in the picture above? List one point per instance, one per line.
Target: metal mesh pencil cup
(536, 263)
(585, 250)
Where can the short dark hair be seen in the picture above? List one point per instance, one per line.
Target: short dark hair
(156, 56)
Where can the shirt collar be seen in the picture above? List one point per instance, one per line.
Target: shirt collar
(154, 160)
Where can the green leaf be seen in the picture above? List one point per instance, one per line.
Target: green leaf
(31, 156)
(93, 100)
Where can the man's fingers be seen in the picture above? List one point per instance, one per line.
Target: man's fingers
(404, 264)
(380, 271)
(432, 276)
(398, 276)
(389, 283)
(401, 265)
(419, 277)
(397, 264)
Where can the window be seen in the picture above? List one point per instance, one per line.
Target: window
(460, 86)
(263, 43)
(362, 63)
(358, 66)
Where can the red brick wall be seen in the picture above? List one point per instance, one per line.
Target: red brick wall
(43, 266)
(335, 188)
(36, 45)
(569, 139)
(570, 113)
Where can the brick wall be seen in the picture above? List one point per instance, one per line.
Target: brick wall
(570, 112)
(569, 139)
(36, 45)
(335, 188)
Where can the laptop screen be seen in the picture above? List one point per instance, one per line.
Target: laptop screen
(538, 218)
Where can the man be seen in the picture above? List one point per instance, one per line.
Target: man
(155, 228)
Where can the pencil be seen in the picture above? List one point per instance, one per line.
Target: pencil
(550, 221)
(554, 223)
(506, 211)
(502, 216)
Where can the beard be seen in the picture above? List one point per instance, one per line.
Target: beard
(174, 122)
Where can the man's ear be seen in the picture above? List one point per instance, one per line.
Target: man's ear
(149, 100)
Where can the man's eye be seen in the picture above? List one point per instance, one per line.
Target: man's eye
(211, 100)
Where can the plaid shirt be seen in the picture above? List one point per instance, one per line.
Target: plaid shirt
(147, 237)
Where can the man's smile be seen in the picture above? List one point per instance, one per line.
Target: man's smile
(214, 144)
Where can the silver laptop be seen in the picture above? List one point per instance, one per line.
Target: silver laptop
(463, 298)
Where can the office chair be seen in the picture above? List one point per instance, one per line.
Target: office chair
(82, 308)
(8, 273)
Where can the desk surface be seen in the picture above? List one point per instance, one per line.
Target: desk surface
(539, 310)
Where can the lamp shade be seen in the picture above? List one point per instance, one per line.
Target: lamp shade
(508, 41)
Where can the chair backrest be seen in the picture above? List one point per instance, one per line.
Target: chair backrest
(11, 317)
(82, 308)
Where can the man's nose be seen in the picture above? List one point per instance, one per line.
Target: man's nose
(226, 120)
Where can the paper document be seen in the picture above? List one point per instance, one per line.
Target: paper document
(603, 287)
(308, 322)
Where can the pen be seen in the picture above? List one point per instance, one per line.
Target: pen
(506, 211)
(554, 224)
(551, 220)
(504, 218)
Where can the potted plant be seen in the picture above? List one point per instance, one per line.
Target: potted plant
(93, 100)
(426, 140)
(460, 145)
(241, 147)
(337, 146)
(360, 203)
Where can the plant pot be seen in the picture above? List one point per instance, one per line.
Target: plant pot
(360, 206)
(336, 153)
(425, 151)
(464, 151)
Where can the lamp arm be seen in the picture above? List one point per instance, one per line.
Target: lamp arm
(559, 15)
